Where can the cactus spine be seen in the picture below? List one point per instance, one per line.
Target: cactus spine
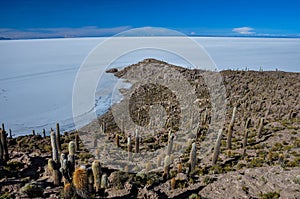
(230, 129)
(96, 168)
(80, 182)
(193, 158)
(58, 138)
(217, 148)
(260, 128)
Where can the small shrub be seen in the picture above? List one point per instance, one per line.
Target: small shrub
(245, 189)
(32, 190)
(269, 195)
(216, 169)
(5, 195)
(14, 166)
(208, 180)
(85, 156)
(240, 165)
(297, 181)
(256, 162)
(194, 196)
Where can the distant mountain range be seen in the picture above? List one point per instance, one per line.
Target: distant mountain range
(231, 36)
(4, 38)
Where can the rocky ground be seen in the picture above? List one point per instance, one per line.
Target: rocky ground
(266, 167)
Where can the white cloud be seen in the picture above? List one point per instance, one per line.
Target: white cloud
(60, 32)
(244, 30)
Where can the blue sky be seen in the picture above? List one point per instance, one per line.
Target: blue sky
(33, 18)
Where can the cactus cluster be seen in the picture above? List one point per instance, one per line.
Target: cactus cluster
(88, 180)
(80, 181)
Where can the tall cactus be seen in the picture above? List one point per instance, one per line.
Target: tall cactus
(3, 127)
(260, 128)
(246, 136)
(58, 137)
(205, 115)
(71, 157)
(90, 180)
(193, 157)
(230, 129)
(167, 163)
(96, 168)
(104, 181)
(159, 160)
(54, 148)
(95, 141)
(217, 148)
(64, 167)
(5, 154)
(44, 133)
(173, 183)
(52, 166)
(10, 134)
(1, 149)
(268, 110)
(170, 144)
(137, 142)
(80, 182)
(117, 140)
(68, 191)
(76, 141)
(129, 147)
(247, 125)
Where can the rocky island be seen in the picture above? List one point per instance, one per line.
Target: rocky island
(255, 153)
